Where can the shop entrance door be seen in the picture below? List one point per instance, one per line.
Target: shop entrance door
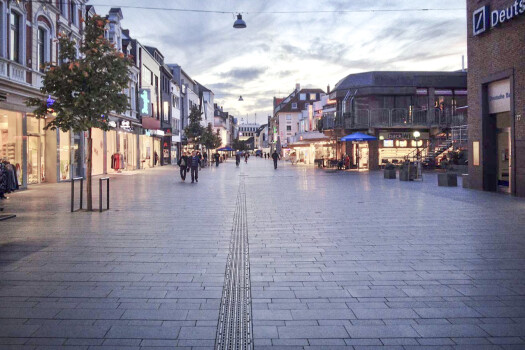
(35, 159)
(503, 163)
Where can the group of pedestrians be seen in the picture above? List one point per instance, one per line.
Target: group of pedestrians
(190, 163)
(193, 162)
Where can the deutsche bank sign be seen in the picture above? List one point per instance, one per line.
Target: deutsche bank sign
(483, 19)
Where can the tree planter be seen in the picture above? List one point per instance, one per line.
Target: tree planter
(389, 173)
(465, 181)
(404, 175)
(448, 180)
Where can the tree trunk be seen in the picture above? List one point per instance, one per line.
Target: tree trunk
(89, 192)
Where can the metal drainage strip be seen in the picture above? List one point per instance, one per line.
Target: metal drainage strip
(234, 330)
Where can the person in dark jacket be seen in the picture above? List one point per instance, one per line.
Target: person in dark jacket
(183, 164)
(275, 157)
(217, 158)
(237, 158)
(194, 163)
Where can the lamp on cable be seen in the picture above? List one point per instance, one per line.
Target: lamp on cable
(240, 98)
(239, 23)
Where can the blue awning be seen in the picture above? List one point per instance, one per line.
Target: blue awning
(358, 136)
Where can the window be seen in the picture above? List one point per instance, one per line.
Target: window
(288, 117)
(294, 105)
(41, 47)
(313, 97)
(288, 128)
(302, 97)
(62, 4)
(74, 13)
(2, 29)
(14, 37)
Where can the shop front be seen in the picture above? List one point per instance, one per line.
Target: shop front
(12, 142)
(150, 149)
(496, 96)
(396, 146)
(122, 147)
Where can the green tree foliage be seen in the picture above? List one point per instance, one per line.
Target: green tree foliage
(85, 89)
(239, 145)
(194, 130)
(210, 139)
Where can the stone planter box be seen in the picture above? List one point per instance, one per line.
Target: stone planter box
(403, 175)
(465, 181)
(389, 173)
(448, 180)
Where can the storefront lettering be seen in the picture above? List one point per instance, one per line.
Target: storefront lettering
(481, 22)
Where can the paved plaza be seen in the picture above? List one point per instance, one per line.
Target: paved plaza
(336, 260)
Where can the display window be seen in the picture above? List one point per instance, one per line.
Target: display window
(11, 140)
(36, 170)
(146, 151)
(64, 152)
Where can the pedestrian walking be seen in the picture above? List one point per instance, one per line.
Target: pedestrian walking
(183, 164)
(205, 159)
(275, 157)
(200, 159)
(246, 156)
(194, 163)
(217, 158)
(237, 158)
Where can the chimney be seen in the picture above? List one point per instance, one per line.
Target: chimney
(328, 89)
(297, 87)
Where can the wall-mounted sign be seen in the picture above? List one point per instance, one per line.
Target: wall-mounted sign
(144, 102)
(499, 96)
(112, 124)
(408, 135)
(483, 19)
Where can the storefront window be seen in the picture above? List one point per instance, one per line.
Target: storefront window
(11, 140)
(65, 155)
(35, 150)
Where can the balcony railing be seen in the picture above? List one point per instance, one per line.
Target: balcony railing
(395, 117)
(13, 71)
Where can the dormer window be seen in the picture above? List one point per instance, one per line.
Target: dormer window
(302, 97)
(294, 105)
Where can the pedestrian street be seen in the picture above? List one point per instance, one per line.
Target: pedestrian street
(313, 259)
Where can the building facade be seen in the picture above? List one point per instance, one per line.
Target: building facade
(496, 84)
(393, 105)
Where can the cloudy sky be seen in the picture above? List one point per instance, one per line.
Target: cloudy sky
(277, 50)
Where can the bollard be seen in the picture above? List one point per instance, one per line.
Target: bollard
(73, 192)
(100, 193)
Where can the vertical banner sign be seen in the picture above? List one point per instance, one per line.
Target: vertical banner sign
(145, 102)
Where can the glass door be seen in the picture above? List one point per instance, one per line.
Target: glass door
(33, 160)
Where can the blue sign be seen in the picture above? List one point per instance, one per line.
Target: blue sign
(484, 19)
(50, 102)
(145, 102)
(480, 20)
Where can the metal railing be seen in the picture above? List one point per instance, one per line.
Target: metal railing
(394, 117)
(73, 180)
(100, 194)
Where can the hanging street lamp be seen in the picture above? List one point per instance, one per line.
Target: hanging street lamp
(239, 23)
(240, 98)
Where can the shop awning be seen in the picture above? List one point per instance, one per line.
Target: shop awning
(358, 136)
(227, 148)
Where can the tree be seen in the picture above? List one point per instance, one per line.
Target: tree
(239, 145)
(85, 89)
(194, 129)
(210, 139)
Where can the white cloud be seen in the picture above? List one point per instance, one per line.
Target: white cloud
(276, 51)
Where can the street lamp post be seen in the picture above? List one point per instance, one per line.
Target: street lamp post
(417, 134)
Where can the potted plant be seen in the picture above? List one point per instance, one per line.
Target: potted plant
(390, 171)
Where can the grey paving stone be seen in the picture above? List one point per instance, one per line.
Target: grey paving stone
(449, 331)
(393, 331)
(198, 332)
(384, 313)
(143, 332)
(17, 331)
(71, 331)
(320, 332)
